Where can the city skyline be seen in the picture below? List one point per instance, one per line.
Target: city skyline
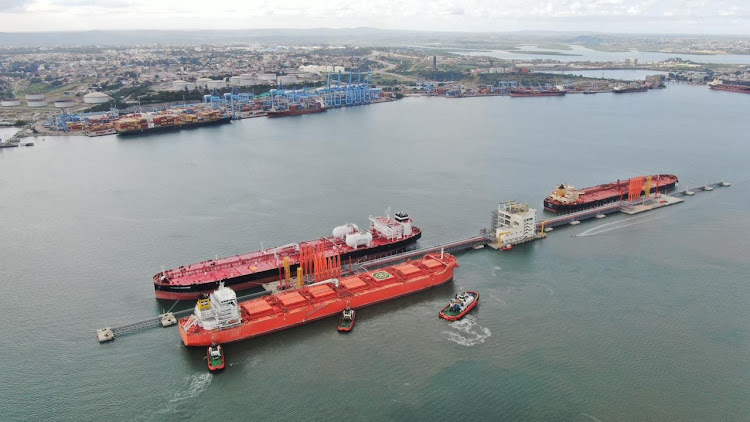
(622, 16)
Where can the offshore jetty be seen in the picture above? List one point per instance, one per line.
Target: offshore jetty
(322, 288)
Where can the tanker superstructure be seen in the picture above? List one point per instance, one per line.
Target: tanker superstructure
(385, 236)
(566, 198)
(221, 319)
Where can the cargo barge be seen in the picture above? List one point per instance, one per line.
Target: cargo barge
(720, 86)
(566, 198)
(221, 319)
(296, 110)
(385, 236)
(530, 92)
(620, 89)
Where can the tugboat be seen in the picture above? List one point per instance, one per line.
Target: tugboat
(507, 247)
(215, 355)
(346, 320)
(460, 305)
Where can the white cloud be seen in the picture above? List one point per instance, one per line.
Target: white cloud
(458, 15)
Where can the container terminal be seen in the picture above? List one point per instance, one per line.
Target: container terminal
(326, 283)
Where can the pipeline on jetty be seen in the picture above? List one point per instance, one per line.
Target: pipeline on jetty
(485, 237)
(109, 333)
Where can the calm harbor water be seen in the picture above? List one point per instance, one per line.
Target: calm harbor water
(580, 54)
(639, 318)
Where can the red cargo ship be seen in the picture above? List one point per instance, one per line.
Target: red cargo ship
(566, 198)
(730, 87)
(530, 92)
(296, 110)
(221, 319)
(240, 272)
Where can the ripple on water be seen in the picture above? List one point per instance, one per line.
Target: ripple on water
(197, 384)
(468, 332)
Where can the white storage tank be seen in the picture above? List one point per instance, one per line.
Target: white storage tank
(11, 103)
(96, 98)
(355, 240)
(34, 97)
(64, 103)
(340, 232)
(180, 85)
(36, 103)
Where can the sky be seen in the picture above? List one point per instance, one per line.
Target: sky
(628, 16)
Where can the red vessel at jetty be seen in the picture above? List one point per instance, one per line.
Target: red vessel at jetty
(530, 92)
(240, 272)
(221, 319)
(566, 198)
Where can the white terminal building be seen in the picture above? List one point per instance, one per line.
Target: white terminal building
(513, 223)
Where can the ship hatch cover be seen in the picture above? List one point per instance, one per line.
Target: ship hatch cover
(291, 299)
(407, 269)
(321, 292)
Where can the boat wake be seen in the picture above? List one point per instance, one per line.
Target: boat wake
(198, 384)
(470, 332)
(615, 225)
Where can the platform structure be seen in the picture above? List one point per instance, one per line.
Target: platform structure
(659, 201)
(702, 188)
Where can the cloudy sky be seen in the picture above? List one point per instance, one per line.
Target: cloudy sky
(652, 16)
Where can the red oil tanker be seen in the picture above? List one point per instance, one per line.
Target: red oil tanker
(566, 198)
(221, 319)
(240, 272)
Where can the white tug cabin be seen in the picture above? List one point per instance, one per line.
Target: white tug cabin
(513, 223)
(218, 311)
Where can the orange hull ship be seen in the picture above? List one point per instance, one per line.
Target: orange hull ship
(220, 319)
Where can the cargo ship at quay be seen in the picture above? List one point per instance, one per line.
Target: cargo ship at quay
(531, 92)
(171, 120)
(348, 243)
(297, 109)
(566, 198)
(221, 319)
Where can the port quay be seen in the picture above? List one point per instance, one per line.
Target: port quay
(493, 238)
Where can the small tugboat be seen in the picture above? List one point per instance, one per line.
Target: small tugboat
(215, 355)
(507, 247)
(460, 305)
(346, 320)
(168, 319)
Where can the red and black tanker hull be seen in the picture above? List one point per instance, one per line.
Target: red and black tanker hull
(255, 279)
(616, 195)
